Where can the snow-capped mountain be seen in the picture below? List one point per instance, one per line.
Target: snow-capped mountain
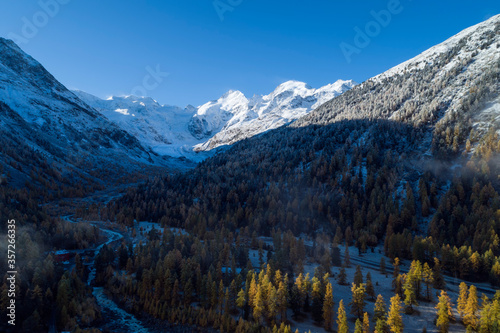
(189, 131)
(163, 128)
(41, 113)
(454, 84)
(233, 117)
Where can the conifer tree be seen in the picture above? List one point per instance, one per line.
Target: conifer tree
(409, 292)
(301, 283)
(282, 300)
(272, 304)
(394, 318)
(470, 314)
(366, 323)
(317, 301)
(462, 299)
(328, 307)
(443, 319)
(252, 292)
(490, 317)
(233, 294)
(382, 265)
(439, 282)
(358, 276)
(258, 306)
(380, 326)
(358, 327)
(358, 300)
(396, 264)
(241, 300)
(347, 257)
(342, 326)
(370, 291)
(342, 278)
(380, 309)
(428, 278)
(398, 285)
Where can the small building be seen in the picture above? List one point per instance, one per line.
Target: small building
(62, 255)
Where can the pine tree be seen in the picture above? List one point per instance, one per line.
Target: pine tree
(396, 264)
(366, 323)
(370, 291)
(221, 295)
(342, 278)
(358, 327)
(252, 291)
(428, 278)
(358, 300)
(282, 300)
(301, 283)
(380, 309)
(241, 300)
(342, 326)
(470, 314)
(462, 299)
(295, 302)
(382, 265)
(272, 304)
(394, 318)
(439, 282)
(398, 285)
(328, 307)
(380, 326)
(317, 301)
(443, 320)
(358, 276)
(258, 306)
(347, 257)
(490, 317)
(233, 295)
(409, 292)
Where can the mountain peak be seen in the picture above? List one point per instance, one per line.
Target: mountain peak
(292, 85)
(231, 94)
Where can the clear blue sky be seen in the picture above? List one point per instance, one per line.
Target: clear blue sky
(104, 47)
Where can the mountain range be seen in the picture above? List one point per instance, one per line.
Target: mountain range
(76, 130)
(191, 131)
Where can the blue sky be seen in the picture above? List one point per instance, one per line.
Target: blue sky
(109, 47)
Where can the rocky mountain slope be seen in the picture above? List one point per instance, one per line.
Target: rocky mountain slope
(40, 118)
(452, 86)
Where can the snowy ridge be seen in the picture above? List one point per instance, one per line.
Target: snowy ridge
(51, 119)
(163, 128)
(447, 82)
(428, 57)
(245, 118)
(189, 132)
